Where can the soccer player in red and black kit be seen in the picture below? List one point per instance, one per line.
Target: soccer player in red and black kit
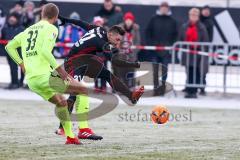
(83, 61)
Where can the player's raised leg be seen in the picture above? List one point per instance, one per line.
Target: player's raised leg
(121, 87)
(89, 65)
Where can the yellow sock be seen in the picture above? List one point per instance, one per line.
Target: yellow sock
(63, 114)
(82, 108)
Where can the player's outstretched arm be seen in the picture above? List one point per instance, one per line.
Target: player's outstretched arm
(116, 61)
(11, 49)
(84, 25)
(63, 74)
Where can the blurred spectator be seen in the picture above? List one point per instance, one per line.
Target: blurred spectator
(18, 8)
(28, 18)
(111, 14)
(2, 23)
(207, 20)
(193, 31)
(12, 28)
(37, 11)
(70, 34)
(161, 30)
(98, 21)
(131, 37)
(2, 20)
(100, 84)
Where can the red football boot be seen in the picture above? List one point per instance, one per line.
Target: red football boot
(137, 94)
(73, 141)
(87, 133)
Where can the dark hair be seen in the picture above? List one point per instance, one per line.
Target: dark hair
(20, 2)
(206, 7)
(50, 11)
(43, 2)
(15, 14)
(117, 29)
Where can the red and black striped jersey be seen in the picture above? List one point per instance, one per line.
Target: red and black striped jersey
(95, 40)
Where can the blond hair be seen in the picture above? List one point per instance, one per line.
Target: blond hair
(50, 11)
(194, 11)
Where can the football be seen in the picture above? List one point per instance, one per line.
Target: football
(160, 114)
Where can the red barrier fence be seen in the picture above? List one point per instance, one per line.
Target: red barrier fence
(158, 48)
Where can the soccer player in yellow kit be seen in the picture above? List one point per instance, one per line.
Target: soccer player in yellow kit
(40, 66)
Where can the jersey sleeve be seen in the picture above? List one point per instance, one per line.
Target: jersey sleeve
(107, 47)
(84, 25)
(48, 45)
(116, 61)
(113, 52)
(12, 46)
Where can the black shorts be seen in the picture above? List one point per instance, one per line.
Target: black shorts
(87, 65)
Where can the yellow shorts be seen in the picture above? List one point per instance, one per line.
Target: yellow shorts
(47, 85)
